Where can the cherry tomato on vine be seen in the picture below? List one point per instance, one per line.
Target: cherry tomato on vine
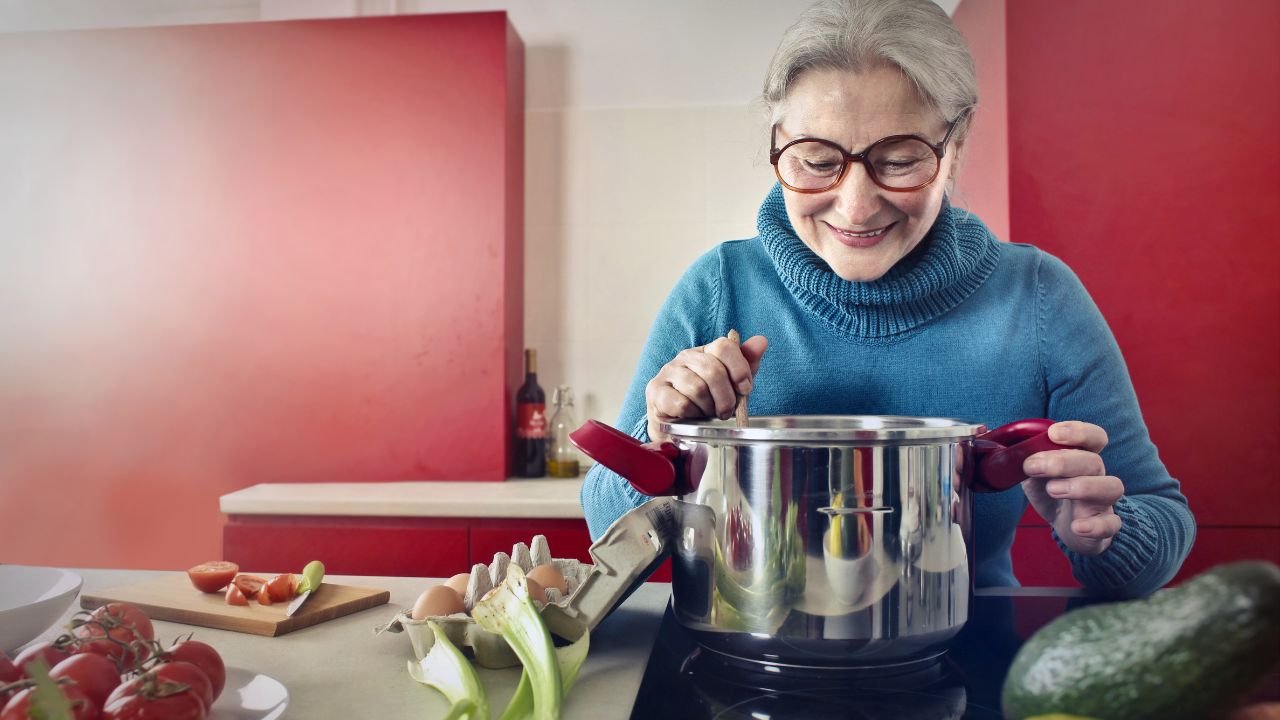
(48, 652)
(19, 706)
(178, 706)
(95, 675)
(8, 671)
(112, 631)
(187, 674)
(203, 656)
(212, 576)
(124, 689)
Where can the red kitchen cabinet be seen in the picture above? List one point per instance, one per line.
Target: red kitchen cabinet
(1037, 561)
(397, 547)
(1215, 545)
(1177, 253)
(405, 547)
(566, 538)
(307, 254)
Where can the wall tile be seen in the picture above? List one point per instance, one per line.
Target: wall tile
(717, 232)
(645, 260)
(645, 164)
(612, 365)
(557, 298)
(618, 204)
(737, 171)
(556, 184)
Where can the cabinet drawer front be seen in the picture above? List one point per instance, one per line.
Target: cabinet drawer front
(348, 546)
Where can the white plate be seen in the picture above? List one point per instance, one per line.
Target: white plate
(250, 696)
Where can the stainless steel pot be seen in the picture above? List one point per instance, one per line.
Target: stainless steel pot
(822, 541)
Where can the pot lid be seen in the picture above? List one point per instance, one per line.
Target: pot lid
(825, 429)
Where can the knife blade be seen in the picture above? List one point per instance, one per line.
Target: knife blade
(312, 576)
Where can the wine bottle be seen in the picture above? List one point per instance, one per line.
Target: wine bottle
(531, 422)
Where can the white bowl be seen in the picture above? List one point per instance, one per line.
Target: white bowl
(31, 600)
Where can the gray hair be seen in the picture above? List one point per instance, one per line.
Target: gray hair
(915, 36)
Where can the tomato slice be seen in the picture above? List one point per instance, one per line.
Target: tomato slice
(234, 596)
(282, 587)
(249, 584)
(212, 576)
(264, 596)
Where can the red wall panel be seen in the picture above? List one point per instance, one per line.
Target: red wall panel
(232, 254)
(982, 185)
(1142, 152)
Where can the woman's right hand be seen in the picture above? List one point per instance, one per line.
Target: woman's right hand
(703, 382)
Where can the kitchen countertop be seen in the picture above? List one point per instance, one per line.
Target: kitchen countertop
(342, 665)
(514, 498)
(340, 668)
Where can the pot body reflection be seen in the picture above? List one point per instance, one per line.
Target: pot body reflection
(840, 541)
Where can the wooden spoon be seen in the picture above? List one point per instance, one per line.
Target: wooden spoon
(740, 411)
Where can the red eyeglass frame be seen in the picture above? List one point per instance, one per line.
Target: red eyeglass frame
(939, 151)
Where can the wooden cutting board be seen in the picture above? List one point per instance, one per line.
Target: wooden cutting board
(172, 598)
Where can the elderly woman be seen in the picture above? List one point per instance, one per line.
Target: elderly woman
(866, 292)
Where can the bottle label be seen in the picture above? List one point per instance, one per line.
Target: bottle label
(531, 420)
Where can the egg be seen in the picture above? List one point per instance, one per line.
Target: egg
(536, 591)
(549, 577)
(437, 601)
(459, 583)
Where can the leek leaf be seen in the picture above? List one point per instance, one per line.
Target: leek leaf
(509, 611)
(446, 669)
(570, 659)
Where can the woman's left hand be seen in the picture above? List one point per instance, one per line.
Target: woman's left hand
(1071, 489)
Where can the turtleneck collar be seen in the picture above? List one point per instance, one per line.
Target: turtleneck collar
(951, 262)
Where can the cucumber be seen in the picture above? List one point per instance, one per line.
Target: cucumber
(1186, 653)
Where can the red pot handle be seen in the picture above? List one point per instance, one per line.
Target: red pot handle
(649, 468)
(1001, 452)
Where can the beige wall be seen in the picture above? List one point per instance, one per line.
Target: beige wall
(644, 148)
(618, 203)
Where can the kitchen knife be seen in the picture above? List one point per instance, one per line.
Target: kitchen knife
(312, 575)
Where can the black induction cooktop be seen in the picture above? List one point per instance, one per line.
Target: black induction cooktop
(686, 681)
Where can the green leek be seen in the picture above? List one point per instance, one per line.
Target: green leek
(312, 575)
(446, 669)
(509, 611)
(570, 659)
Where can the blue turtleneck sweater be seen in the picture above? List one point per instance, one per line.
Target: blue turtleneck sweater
(965, 327)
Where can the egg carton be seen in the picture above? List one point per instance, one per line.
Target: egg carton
(624, 556)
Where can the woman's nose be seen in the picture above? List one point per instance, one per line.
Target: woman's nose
(857, 197)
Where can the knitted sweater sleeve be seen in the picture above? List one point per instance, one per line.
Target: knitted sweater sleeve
(1086, 379)
(686, 320)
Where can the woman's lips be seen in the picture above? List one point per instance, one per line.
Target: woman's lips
(860, 238)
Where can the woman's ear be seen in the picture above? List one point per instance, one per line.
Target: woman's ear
(956, 160)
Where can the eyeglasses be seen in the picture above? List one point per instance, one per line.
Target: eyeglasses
(900, 163)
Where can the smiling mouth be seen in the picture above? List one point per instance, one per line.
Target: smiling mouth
(860, 238)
